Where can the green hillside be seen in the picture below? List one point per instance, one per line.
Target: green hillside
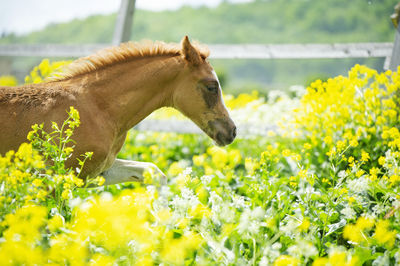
(273, 21)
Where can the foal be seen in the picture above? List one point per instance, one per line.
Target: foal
(114, 90)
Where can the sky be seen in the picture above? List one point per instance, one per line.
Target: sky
(23, 16)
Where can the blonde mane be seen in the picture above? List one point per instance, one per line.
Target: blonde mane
(123, 52)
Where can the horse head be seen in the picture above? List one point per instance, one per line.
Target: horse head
(198, 95)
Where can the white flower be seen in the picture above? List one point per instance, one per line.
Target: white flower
(106, 196)
(254, 227)
(257, 213)
(342, 174)
(290, 227)
(382, 260)
(271, 253)
(297, 90)
(206, 179)
(238, 202)
(379, 209)
(264, 261)
(348, 213)
(397, 257)
(307, 249)
(151, 189)
(187, 200)
(221, 211)
(187, 171)
(359, 185)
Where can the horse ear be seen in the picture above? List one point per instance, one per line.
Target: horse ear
(189, 52)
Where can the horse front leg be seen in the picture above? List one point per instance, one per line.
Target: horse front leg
(130, 171)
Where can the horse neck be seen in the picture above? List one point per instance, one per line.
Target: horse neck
(132, 90)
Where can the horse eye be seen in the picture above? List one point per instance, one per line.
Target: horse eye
(213, 89)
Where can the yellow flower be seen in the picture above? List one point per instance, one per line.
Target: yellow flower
(307, 146)
(320, 262)
(303, 173)
(199, 211)
(198, 160)
(66, 194)
(340, 145)
(383, 235)
(394, 179)
(328, 140)
(296, 157)
(364, 156)
(286, 260)
(41, 194)
(99, 180)
(68, 150)
(8, 81)
(175, 169)
(227, 229)
(351, 199)
(293, 180)
(382, 160)
(101, 259)
(374, 171)
(353, 233)
(365, 223)
(325, 180)
(55, 222)
(78, 182)
(286, 152)
(183, 223)
(354, 142)
(234, 157)
(174, 252)
(202, 193)
(37, 182)
(219, 156)
(250, 165)
(359, 173)
(340, 258)
(305, 224)
(331, 152)
(164, 215)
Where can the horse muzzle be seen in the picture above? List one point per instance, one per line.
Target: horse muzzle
(223, 131)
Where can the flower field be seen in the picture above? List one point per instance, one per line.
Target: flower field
(321, 190)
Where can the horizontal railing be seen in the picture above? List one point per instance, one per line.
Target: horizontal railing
(222, 51)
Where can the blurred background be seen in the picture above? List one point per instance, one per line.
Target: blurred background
(210, 22)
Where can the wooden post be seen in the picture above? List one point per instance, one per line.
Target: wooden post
(395, 58)
(123, 24)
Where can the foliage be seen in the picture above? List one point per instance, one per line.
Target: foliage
(276, 21)
(324, 193)
(45, 70)
(8, 81)
(252, 22)
(27, 179)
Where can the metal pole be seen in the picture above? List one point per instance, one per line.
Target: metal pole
(123, 24)
(395, 58)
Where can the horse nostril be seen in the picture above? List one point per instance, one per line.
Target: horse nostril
(234, 132)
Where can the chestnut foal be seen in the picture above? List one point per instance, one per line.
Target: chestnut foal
(113, 90)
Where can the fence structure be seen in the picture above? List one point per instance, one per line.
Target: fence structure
(224, 51)
(389, 51)
(123, 26)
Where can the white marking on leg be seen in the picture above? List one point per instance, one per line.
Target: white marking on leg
(130, 171)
